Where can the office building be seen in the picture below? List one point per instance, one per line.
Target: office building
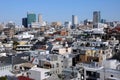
(96, 17)
(31, 17)
(24, 22)
(103, 21)
(74, 21)
(67, 25)
(40, 19)
(87, 22)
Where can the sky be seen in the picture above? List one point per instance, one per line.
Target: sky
(58, 10)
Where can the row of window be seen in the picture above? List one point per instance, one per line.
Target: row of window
(5, 68)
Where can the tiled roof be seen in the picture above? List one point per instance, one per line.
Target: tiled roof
(24, 78)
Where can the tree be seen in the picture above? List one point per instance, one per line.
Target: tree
(5, 41)
(3, 78)
(15, 43)
(87, 44)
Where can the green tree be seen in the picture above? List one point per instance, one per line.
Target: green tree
(87, 44)
(3, 78)
(15, 43)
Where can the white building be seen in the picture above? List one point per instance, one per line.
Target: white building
(67, 25)
(94, 71)
(22, 48)
(39, 73)
(99, 28)
(50, 31)
(24, 35)
(56, 63)
(5, 70)
(111, 64)
(35, 25)
(109, 74)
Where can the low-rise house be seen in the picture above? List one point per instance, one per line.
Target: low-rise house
(54, 62)
(94, 71)
(24, 35)
(38, 73)
(92, 51)
(9, 32)
(89, 54)
(60, 49)
(23, 48)
(2, 36)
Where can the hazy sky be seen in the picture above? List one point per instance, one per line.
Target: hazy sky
(58, 10)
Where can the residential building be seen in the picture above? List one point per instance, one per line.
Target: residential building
(56, 24)
(24, 35)
(5, 66)
(39, 73)
(23, 48)
(9, 32)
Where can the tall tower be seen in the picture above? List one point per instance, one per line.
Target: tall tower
(40, 19)
(31, 17)
(74, 21)
(96, 17)
(24, 22)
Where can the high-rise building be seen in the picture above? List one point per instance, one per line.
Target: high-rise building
(31, 17)
(103, 21)
(74, 21)
(96, 17)
(40, 19)
(24, 22)
(67, 24)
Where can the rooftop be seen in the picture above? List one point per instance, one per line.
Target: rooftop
(40, 69)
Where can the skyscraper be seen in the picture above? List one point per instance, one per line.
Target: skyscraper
(40, 19)
(74, 21)
(31, 17)
(24, 22)
(96, 17)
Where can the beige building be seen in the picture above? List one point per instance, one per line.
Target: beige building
(9, 32)
(62, 50)
(56, 24)
(91, 55)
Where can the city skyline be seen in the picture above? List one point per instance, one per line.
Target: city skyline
(59, 10)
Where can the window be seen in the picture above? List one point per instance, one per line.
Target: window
(66, 50)
(111, 75)
(36, 60)
(74, 51)
(47, 74)
(53, 66)
(92, 74)
(58, 71)
(57, 64)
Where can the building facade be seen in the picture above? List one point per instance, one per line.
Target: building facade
(40, 19)
(24, 22)
(31, 17)
(96, 17)
(74, 21)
